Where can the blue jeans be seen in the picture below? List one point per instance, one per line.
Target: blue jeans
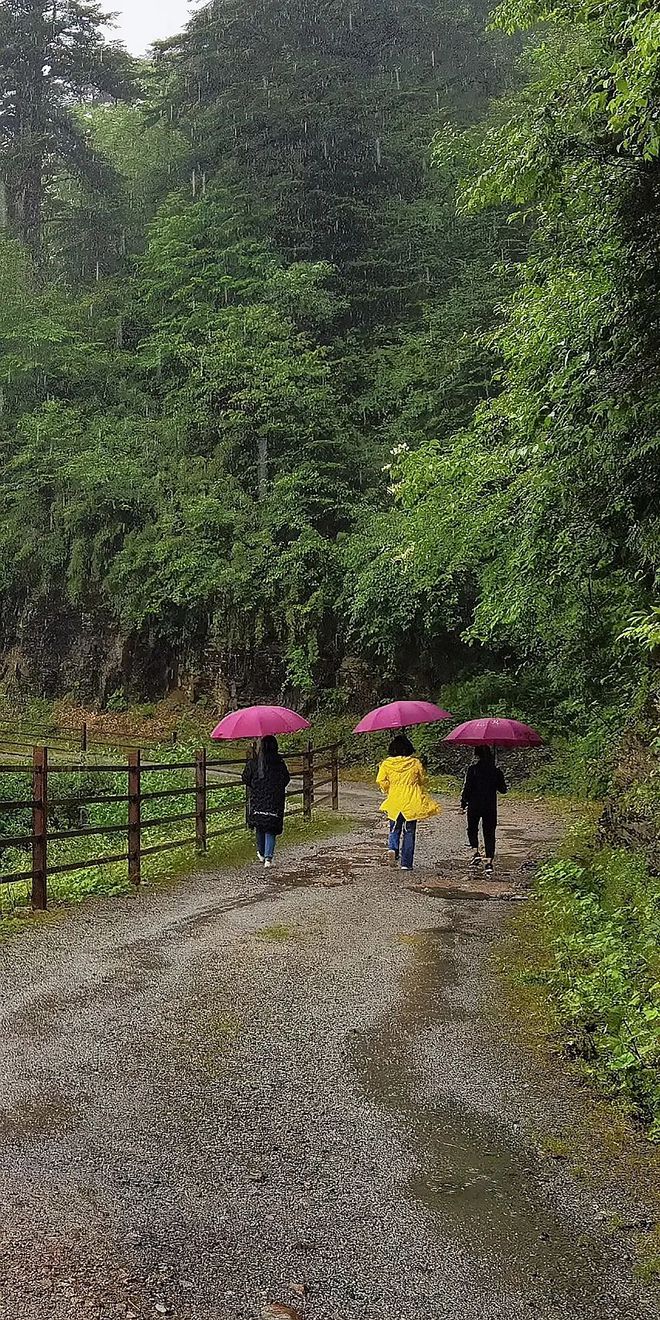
(266, 841)
(405, 849)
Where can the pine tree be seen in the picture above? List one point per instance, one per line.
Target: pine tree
(323, 114)
(53, 56)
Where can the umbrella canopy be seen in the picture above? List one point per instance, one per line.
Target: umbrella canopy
(401, 715)
(495, 733)
(257, 722)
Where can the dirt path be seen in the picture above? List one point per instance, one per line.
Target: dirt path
(250, 1090)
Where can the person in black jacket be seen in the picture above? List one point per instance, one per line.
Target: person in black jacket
(267, 777)
(483, 782)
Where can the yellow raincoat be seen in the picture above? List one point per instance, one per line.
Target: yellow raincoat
(403, 780)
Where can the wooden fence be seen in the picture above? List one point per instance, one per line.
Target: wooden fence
(18, 738)
(315, 783)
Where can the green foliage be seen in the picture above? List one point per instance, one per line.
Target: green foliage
(532, 531)
(328, 371)
(203, 499)
(285, 419)
(190, 428)
(581, 766)
(603, 912)
(324, 118)
(93, 878)
(87, 238)
(645, 629)
(50, 57)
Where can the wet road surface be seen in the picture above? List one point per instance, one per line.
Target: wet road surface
(256, 1091)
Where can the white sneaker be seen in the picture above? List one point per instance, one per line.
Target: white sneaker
(406, 868)
(391, 857)
(261, 857)
(268, 865)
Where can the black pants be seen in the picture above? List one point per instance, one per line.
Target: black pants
(487, 818)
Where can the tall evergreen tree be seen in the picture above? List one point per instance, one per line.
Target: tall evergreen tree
(324, 115)
(53, 54)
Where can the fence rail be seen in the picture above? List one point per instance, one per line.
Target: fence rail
(319, 784)
(18, 738)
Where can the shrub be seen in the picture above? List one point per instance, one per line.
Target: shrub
(603, 913)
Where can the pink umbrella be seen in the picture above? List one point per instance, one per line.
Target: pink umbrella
(495, 733)
(401, 715)
(257, 722)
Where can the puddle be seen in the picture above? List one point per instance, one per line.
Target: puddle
(469, 1174)
(329, 870)
(469, 892)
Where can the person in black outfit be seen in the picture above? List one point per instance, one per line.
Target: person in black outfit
(267, 776)
(483, 782)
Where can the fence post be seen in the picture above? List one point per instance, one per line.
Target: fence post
(200, 801)
(40, 829)
(308, 781)
(134, 817)
(84, 738)
(335, 777)
(312, 772)
(305, 785)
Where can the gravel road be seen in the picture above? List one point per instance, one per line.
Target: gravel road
(253, 1092)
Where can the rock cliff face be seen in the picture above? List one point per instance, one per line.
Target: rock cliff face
(50, 650)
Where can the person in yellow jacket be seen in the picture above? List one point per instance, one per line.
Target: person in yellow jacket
(402, 779)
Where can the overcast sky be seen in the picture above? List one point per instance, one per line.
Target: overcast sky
(142, 21)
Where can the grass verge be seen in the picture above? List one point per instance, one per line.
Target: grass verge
(580, 965)
(589, 965)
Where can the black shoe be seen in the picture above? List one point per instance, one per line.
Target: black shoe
(489, 868)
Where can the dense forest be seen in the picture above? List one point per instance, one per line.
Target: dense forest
(330, 371)
(330, 350)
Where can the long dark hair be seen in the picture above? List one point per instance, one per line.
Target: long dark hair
(267, 754)
(401, 746)
(485, 754)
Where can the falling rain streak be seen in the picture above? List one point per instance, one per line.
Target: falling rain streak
(229, 237)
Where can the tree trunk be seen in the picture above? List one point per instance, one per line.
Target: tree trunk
(262, 467)
(30, 205)
(30, 142)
